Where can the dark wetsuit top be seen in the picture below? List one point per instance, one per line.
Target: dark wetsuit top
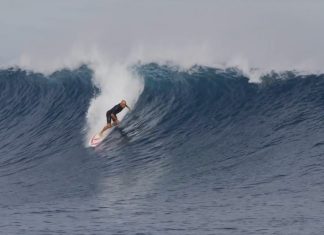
(114, 110)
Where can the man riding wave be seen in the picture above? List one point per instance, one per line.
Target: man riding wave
(112, 115)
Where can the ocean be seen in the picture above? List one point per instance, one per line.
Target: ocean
(203, 151)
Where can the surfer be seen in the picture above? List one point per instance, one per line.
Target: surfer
(112, 115)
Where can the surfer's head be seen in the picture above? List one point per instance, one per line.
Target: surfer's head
(123, 103)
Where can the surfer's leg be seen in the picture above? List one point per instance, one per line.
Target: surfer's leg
(108, 116)
(105, 128)
(115, 121)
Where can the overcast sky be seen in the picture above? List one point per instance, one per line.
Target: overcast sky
(279, 34)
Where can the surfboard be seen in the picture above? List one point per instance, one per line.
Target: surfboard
(97, 139)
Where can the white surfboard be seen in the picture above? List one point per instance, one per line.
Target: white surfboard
(97, 139)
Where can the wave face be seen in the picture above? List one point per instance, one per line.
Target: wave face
(204, 151)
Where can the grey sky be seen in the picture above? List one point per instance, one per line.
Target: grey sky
(276, 34)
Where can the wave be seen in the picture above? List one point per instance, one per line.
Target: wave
(41, 115)
(211, 113)
(197, 140)
(201, 111)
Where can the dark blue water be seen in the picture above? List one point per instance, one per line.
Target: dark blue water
(203, 152)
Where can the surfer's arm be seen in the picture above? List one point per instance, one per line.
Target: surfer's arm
(128, 107)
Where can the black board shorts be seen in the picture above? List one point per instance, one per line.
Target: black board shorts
(108, 115)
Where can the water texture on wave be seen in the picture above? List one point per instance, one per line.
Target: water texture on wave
(202, 143)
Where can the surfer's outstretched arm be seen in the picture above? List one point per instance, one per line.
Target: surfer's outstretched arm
(128, 107)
